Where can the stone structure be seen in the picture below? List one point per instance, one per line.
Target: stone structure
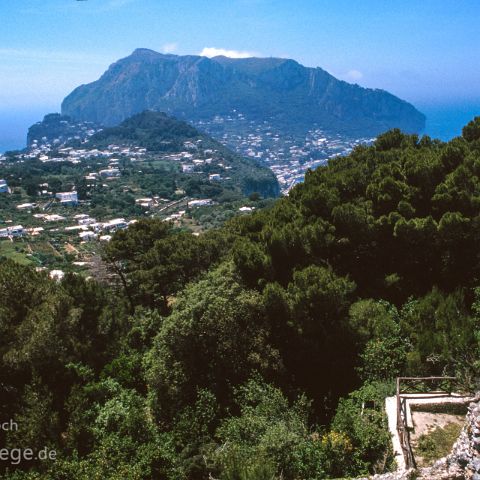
(463, 463)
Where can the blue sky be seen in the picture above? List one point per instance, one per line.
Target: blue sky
(426, 51)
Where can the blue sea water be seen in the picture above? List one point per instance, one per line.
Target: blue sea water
(10, 144)
(14, 126)
(446, 121)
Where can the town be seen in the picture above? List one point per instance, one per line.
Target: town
(289, 156)
(56, 213)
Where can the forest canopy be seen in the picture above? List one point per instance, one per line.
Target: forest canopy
(247, 352)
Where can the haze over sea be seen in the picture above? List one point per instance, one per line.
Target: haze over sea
(444, 121)
(14, 125)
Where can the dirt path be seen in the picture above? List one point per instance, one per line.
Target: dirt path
(425, 422)
(69, 248)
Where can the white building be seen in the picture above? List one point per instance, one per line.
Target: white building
(14, 231)
(68, 198)
(76, 228)
(200, 203)
(57, 275)
(26, 206)
(145, 202)
(115, 224)
(53, 218)
(87, 236)
(110, 173)
(87, 221)
(34, 232)
(188, 168)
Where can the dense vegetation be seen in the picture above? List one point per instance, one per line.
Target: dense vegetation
(152, 130)
(153, 177)
(262, 350)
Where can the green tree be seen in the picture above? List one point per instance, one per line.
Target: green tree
(471, 132)
(215, 337)
(270, 438)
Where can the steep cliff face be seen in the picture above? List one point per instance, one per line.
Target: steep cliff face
(192, 87)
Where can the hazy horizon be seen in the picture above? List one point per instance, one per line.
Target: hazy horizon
(444, 121)
(421, 52)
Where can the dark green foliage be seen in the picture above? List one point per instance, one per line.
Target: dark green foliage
(315, 341)
(269, 438)
(443, 333)
(361, 417)
(201, 363)
(402, 210)
(471, 132)
(215, 338)
(154, 262)
(377, 325)
(151, 130)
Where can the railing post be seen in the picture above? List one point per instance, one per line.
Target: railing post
(419, 385)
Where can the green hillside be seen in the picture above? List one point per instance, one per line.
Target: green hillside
(159, 133)
(262, 350)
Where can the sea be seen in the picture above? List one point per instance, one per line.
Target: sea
(444, 121)
(14, 126)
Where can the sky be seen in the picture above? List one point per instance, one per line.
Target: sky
(425, 51)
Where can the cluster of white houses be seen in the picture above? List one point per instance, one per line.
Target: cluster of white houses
(66, 199)
(87, 227)
(46, 152)
(90, 229)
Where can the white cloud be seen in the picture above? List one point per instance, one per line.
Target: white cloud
(215, 52)
(353, 76)
(170, 48)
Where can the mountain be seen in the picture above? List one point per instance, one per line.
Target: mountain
(286, 93)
